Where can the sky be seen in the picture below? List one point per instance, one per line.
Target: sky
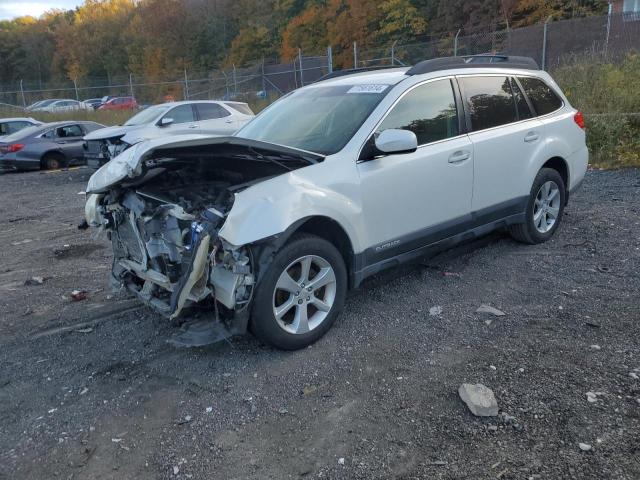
(16, 8)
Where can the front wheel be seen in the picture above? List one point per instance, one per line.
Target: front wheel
(544, 208)
(301, 293)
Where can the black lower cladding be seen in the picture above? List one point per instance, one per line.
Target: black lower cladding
(436, 238)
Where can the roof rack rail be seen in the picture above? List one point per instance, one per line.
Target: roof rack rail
(473, 61)
(352, 71)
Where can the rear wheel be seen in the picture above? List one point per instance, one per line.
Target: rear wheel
(544, 208)
(301, 294)
(53, 161)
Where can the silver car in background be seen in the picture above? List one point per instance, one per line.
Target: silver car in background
(203, 117)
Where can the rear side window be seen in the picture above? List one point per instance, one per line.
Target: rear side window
(428, 110)
(524, 112)
(490, 101)
(544, 99)
(240, 107)
(210, 111)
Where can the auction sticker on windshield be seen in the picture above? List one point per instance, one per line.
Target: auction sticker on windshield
(368, 89)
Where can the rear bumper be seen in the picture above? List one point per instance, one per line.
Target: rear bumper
(578, 163)
(8, 164)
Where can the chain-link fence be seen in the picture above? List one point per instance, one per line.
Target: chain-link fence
(551, 44)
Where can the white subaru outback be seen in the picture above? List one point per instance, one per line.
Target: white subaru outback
(268, 229)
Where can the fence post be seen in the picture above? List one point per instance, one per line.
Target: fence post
(264, 85)
(300, 62)
(606, 43)
(131, 84)
(24, 103)
(75, 87)
(355, 55)
(235, 83)
(329, 59)
(186, 85)
(544, 42)
(393, 53)
(455, 43)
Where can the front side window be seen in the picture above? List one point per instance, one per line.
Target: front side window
(428, 110)
(147, 115)
(181, 114)
(320, 119)
(544, 99)
(69, 131)
(490, 101)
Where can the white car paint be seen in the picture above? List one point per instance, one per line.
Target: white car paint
(152, 128)
(371, 200)
(65, 105)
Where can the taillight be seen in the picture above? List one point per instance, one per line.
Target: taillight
(579, 119)
(11, 148)
(14, 147)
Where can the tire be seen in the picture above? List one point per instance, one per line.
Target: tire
(282, 288)
(540, 223)
(53, 161)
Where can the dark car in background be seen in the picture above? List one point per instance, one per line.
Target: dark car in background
(47, 146)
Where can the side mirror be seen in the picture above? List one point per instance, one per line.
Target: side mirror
(396, 141)
(165, 121)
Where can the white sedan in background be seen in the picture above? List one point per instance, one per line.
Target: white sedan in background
(13, 125)
(204, 117)
(58, 106)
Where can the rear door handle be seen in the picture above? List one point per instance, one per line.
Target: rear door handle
(459, 156)
(531, 137)
(228, 121)
(193, 126)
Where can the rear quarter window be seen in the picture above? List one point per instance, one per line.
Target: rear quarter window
(240, 107)
(542, 97)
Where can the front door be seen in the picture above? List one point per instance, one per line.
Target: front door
(414, 199)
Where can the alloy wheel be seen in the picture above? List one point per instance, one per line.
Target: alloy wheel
(304, 294)
(546, 206)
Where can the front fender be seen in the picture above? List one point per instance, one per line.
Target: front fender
(273, 206)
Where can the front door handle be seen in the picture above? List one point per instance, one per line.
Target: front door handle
(531, 137)
(459, 156)
(193, 126)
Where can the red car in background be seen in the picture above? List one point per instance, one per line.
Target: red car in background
(119, 103)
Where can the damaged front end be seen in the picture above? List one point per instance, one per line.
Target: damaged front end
(162, 207)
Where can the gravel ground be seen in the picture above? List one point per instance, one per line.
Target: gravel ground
(91, 389)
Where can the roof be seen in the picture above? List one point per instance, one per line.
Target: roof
(392, 76)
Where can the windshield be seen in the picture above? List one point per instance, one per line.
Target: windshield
(44, 103)
(147, 115)
(316, 119)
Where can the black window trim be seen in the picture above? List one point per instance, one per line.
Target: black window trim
(555, 92)
(460, 111)
(532, 109)
(468, 116)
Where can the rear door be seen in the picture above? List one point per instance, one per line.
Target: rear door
(69, 138)
(414, 199)
(505, 136)
(216, 119)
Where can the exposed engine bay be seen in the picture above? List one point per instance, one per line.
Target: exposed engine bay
(163, 225)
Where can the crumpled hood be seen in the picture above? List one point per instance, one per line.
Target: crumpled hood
(111, 132)
(129, 164)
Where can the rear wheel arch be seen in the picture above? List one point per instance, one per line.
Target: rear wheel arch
(561, 166)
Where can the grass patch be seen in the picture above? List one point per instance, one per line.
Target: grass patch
(608, 94)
